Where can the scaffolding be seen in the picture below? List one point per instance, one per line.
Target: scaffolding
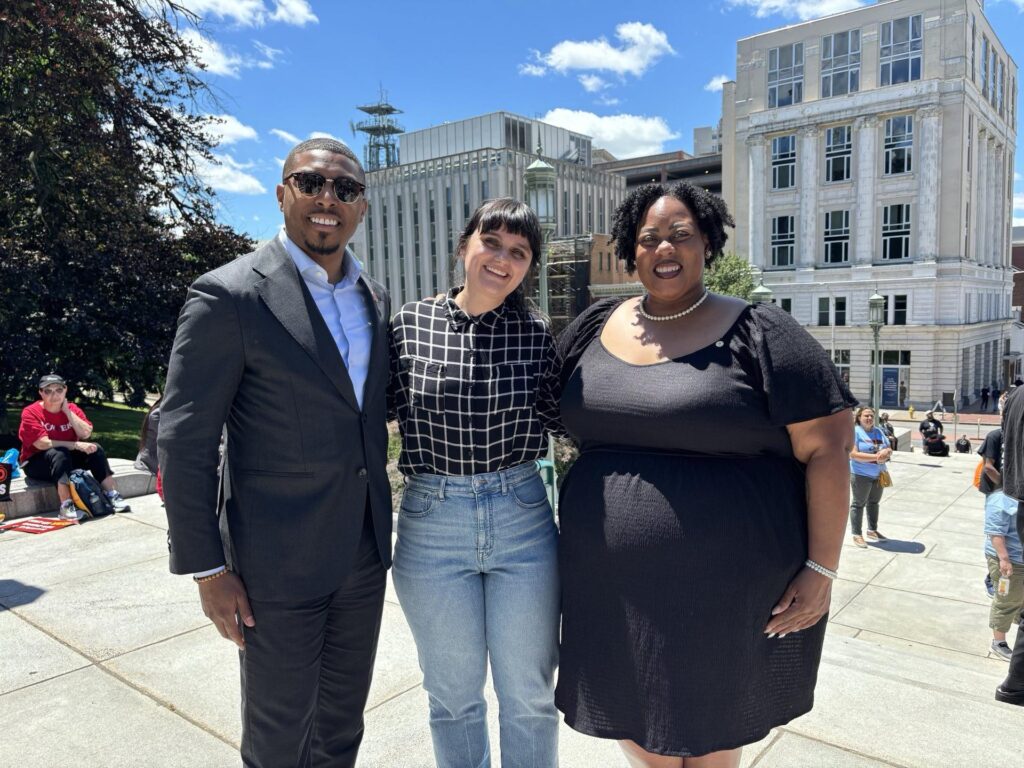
(381, 150)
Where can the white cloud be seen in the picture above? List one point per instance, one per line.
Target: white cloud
(799, 9)
(533, 70)
(640, 47)
(217, 60)
(608, 101)
(622, 135)
(254, 13)
(279, 161)
(269, 55)
(322, 135)
(1018, 202)
(287, 138)
(592, 83)
(1016, 175)
(225, 174)
(228, 129)
(715, 83)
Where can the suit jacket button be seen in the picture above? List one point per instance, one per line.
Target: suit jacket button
(362, 472)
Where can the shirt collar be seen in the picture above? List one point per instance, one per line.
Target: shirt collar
(309, 268)
(458, 318)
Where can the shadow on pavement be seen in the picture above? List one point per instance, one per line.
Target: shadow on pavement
(895, 545)
(16, 594)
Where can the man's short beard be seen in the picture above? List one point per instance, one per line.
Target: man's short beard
(321, 250)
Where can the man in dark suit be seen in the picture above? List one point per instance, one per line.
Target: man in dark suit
(286, 348)
(1011, 690)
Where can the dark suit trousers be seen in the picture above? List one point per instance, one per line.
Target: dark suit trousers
(306, 671)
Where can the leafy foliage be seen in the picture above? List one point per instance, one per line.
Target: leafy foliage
(104, 221)
(730, 274)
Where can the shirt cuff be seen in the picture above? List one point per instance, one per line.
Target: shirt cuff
(210, 572)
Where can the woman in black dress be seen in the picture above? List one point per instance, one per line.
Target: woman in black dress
(702, 523)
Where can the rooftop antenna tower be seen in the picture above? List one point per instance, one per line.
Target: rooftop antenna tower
(381, 150)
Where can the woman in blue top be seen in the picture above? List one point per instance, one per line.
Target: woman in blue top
(867, 461)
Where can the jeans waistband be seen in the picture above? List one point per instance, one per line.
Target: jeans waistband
(471, 484)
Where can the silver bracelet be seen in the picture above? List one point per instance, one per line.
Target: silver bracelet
(819, 568)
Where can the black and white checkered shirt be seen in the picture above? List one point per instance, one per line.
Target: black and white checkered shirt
(470, 393)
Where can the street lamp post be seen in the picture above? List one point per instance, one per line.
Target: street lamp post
(762, 294)
(539, 186)
(876, 319)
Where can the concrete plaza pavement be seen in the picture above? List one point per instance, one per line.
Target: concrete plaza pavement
(107, 661)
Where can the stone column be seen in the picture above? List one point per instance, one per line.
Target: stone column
(757, 246)
(807, 156)
(999, 208)
(929, 170)
(990, 202)
(980, 185)
(865, 142)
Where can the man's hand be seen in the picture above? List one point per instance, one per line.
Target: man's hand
(85, 448)
(224, 601)
(1005, 567)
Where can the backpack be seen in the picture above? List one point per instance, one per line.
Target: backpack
(88, 495)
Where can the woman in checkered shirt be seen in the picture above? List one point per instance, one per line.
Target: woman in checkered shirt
(475, 564)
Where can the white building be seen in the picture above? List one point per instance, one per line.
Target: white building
(873, 150)
(707, 140)
(418, 208)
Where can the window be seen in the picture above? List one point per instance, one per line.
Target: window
(565, 212)
(900, 50)
(465, 203)
(783, 241)
(899, 309)
(899, 144)
(600, 214)
(371, 252)
(841, 359)
(435, 266)
(787, 305)
(824, 311)
(970, 140)
(840, 311)
(974, 40)
(838, 152)
(992, 63)
(837, 237)
(896, 232)
(579, 214)
(417, 268)
(448, 219)
(786, 75)
(484, 190)
(784, 162)
(840, 64)
(1000, 87)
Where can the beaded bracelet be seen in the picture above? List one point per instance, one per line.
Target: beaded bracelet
(819, 568)
(211, 577)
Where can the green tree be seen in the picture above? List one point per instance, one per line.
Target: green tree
(104, 220)
(730, 274)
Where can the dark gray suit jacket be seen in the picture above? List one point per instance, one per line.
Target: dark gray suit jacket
(252, 352)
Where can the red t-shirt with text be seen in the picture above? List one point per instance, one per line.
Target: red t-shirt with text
(37, 422)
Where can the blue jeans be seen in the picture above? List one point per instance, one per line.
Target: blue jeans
(476, 572)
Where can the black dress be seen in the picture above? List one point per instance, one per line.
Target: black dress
(682, 523)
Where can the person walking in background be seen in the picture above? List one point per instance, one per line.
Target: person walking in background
(1011, 690)
(984, 398)
(702, 524)
(476, 565)
(871, 450)
(1003, 550)
(287, 347)
(54, 436)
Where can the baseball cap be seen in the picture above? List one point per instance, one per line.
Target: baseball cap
(50, 378)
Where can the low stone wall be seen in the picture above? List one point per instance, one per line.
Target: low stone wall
(31, 497)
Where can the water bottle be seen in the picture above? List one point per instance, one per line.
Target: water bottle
(1003, 588)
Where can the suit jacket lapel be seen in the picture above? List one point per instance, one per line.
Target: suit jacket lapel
(288, 299)
(376, 376)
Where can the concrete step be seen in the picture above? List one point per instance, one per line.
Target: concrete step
(31, 497)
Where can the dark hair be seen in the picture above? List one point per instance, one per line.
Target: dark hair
(860, 412)
(708, 208)
(312, 145)
(145, 423)
(516, 218)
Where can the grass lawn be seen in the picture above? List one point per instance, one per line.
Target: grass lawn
(116, 427)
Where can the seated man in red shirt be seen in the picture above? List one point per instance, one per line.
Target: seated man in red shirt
(53, 433)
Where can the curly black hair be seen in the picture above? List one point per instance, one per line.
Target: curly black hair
(708, 208)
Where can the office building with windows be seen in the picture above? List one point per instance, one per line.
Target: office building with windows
(417, 209)
(872, 150)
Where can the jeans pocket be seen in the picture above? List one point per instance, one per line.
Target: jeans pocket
(531, 493)
(416, 503)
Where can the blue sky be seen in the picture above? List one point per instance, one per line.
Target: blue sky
(639, 78)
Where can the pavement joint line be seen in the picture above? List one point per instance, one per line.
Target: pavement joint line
(142, 522)
(49, 587)
(839, 747)
(968, 654)
(767, 749)
(923, 594)
(392, 697)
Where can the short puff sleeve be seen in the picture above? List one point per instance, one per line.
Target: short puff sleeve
(800, 382)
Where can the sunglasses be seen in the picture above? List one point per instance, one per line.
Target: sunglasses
(53, 390)
(311, 184)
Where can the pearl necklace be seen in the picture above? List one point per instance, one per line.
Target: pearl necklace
(661, 318)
